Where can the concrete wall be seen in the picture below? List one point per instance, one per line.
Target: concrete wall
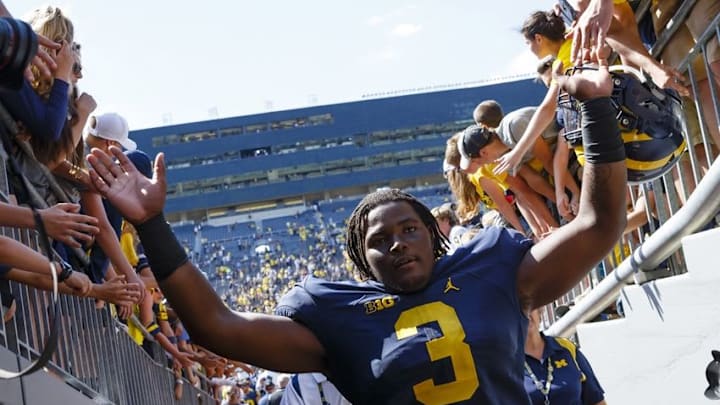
(40, 388)
(658, 353)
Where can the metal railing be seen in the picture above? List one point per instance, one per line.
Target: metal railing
(94, 354)
(702, 205)
(683, 203)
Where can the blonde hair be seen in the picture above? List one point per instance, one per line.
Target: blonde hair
(445, 212)
(493, 218)
(461, 187)
(50, 22)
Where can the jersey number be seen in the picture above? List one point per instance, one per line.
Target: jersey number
(451, 344)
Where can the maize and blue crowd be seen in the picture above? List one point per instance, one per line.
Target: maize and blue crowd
(512, 169)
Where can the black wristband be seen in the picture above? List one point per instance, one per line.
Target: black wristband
(600, 131)
(65, 272)
(163, 251)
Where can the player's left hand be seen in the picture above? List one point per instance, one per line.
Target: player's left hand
(587, 84)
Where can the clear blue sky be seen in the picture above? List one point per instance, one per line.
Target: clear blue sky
(181, 60)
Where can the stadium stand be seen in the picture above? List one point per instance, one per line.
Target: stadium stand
(261, 201)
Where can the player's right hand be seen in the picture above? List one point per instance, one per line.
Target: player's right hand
(134, 195)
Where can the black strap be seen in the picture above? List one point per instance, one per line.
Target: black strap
(40, 227)
(51, 342)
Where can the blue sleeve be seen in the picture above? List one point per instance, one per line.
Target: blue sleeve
(592, 392)
(44, 119)
(522, 242)
(297, 304)
(514, 247)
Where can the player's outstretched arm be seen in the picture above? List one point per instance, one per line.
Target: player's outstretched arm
(558, 262)
(267, 341)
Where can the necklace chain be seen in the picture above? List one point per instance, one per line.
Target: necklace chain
(544, 389)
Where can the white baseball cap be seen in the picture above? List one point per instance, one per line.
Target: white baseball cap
(113, 127)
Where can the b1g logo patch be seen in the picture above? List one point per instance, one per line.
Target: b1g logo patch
(379, 304)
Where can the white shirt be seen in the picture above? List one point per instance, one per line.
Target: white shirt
(314, 389)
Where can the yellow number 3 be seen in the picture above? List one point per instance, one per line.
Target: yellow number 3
(451, 344)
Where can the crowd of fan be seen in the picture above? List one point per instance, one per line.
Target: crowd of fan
(267, 262)
(519, 169)
(46, 171)
(503, 170)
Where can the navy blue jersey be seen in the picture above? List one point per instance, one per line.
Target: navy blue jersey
(460, 340)
(573, 382)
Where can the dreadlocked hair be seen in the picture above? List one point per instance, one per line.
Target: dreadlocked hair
(358, 226)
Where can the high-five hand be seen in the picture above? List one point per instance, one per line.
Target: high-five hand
(590, 30)
(134, 195)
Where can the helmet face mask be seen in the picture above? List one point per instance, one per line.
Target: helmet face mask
(569, 110)
(650, 121)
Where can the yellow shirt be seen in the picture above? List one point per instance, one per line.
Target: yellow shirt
(486, 171)
(133, 331)
(127, 244)
(563, 56)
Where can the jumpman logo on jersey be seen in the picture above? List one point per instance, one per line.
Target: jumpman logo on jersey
(450, 286)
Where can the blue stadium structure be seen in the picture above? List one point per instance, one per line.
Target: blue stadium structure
(286, 158)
